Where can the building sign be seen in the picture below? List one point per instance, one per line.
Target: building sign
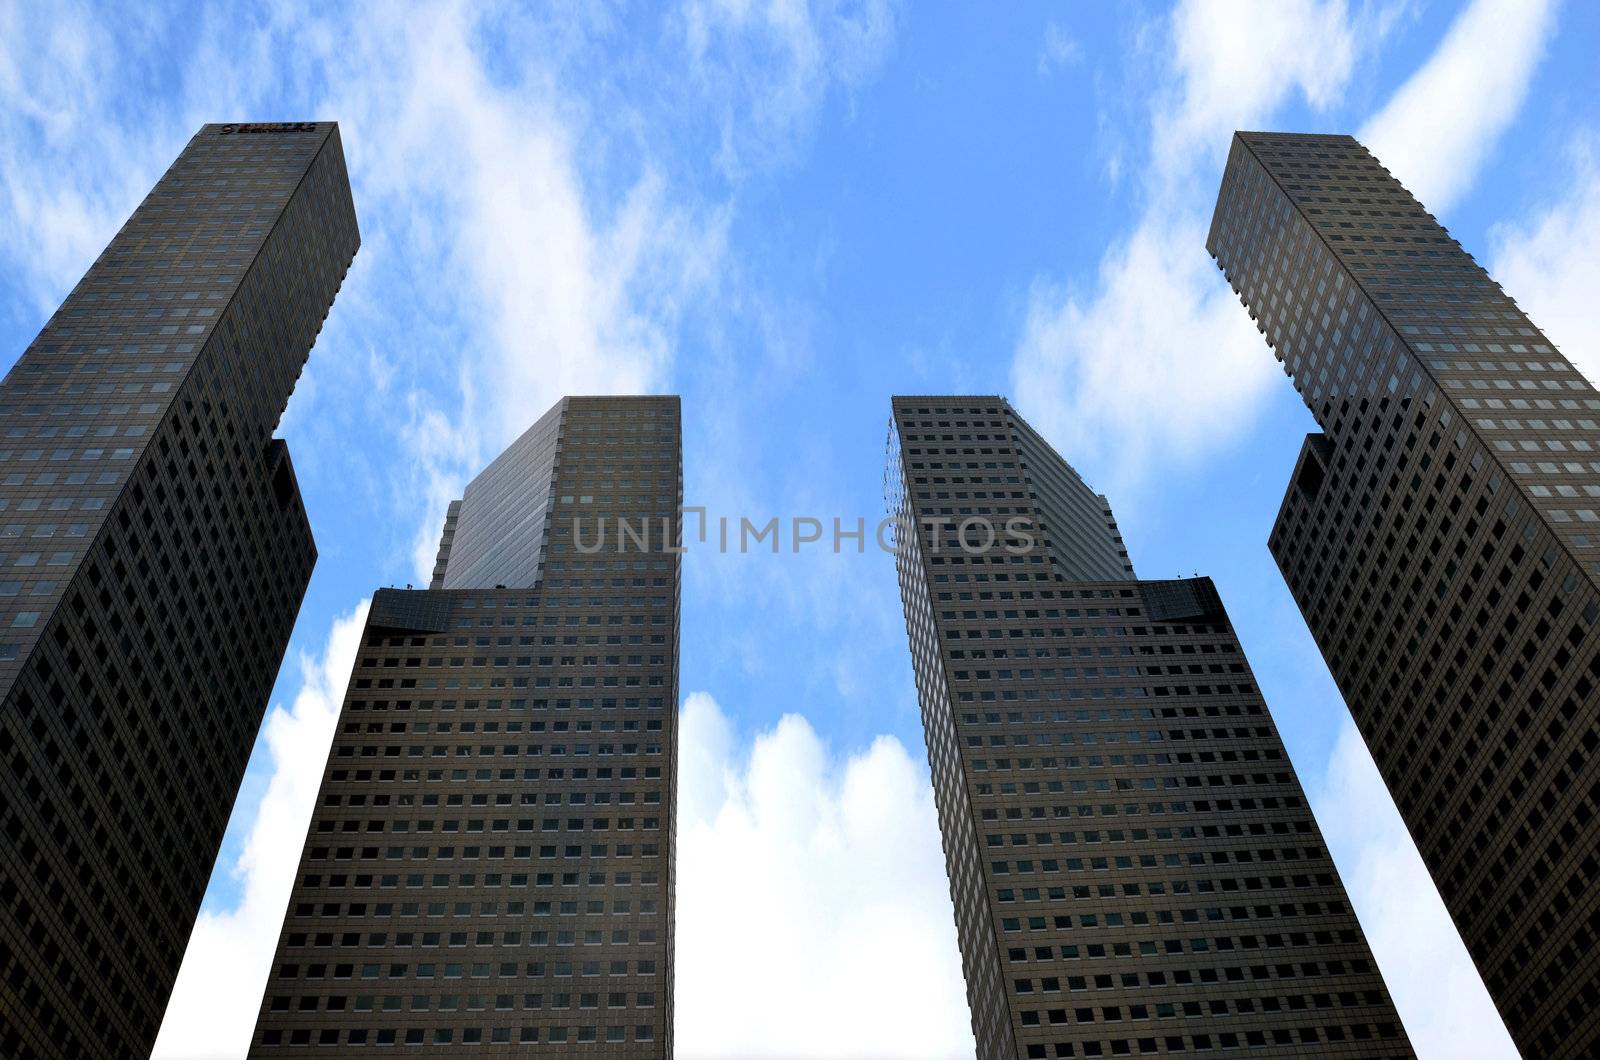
(268, 127)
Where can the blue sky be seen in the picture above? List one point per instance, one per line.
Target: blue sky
(786, 212)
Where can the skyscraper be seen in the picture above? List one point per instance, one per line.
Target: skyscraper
(490, 861)
(1441, 535)
(153, 554)
(1132, 861)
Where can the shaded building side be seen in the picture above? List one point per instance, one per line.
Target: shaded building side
(490, 864)
(1441, 535)
(1133, 864)
(153, 555)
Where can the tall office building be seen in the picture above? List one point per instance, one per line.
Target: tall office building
(1441, 535)
(490, 862)
(153, 554)
(1132, 861)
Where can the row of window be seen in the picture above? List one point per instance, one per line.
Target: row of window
(527, 1035)
(473, 970)
(1227, 1040)
(521, 853)
(459, 1002)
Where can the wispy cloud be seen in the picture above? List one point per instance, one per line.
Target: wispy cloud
(1155, 363)
(1550, 261)
(527, 231)
(1151, 359)
(1145, 362)
(766, 67)
(1236, 63)
(1436, 131)
(1059, 49)
(836, 857)
(547, 279)
(71, 170)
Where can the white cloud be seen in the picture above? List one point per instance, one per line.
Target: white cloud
(821, 878)
(555, 284)
(1550, 263)
(576, 293)
(1154, 360)
(1159, 362)
(1441, 999)
(1059, 49)
(71, 174)
(766, 66)
(1436, 131)
(1237, 63)
(215, 1001)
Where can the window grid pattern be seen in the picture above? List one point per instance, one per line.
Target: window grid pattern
(489, 869)
(494, 535)
(146, 512)
(1133, 865)
(1436, 537)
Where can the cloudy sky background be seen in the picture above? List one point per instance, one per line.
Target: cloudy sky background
(786, 212)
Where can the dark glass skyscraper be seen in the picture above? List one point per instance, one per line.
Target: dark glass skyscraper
(1442, 538)
(1132, 861)
(153, 554)
(490, 862)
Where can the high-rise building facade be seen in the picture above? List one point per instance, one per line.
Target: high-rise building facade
(1441, 535)
(489, 867)
(153, 555)
(1132, 861)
